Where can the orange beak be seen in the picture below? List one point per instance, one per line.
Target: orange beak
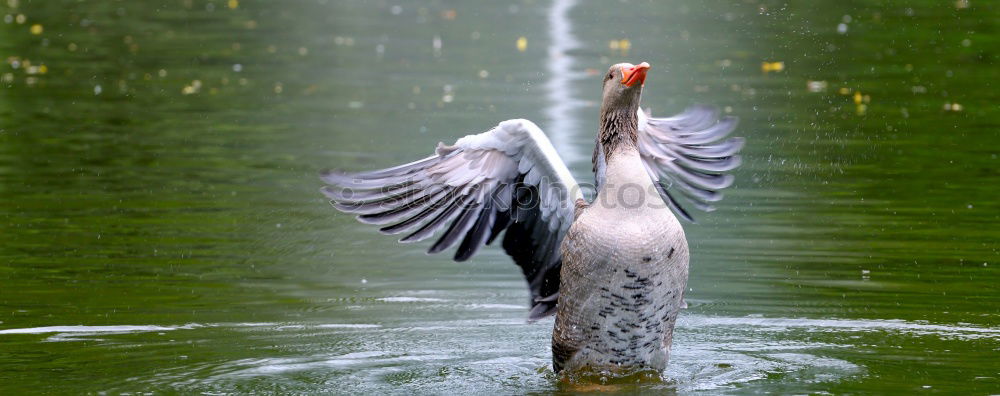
(634, 74)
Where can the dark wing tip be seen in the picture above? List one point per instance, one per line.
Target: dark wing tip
(676, 206)
(541, 310)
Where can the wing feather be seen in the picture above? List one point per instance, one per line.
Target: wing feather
(476, 237)
(687, 153)
(442, 217)
(458, 227)
(433, 209)
(403, 209)
(507, 180)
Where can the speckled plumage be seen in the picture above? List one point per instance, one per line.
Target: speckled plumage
(625, 266)
(625, 257)
(613, 271)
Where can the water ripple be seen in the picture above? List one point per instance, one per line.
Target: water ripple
(711, 353)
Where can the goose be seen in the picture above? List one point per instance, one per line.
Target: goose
(613, 270)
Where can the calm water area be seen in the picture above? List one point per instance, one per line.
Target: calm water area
(162, 230)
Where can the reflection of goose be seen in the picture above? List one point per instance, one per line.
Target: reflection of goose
(613, 270)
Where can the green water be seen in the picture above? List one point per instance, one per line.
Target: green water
(158, 185)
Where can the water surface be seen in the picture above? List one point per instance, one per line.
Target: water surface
(161, 228)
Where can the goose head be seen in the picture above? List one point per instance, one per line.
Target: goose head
(623, 87)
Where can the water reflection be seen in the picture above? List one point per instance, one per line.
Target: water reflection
(172, 240)
(562, 110)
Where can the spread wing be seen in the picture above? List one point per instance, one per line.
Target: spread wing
(508, 178)
(686, 155)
